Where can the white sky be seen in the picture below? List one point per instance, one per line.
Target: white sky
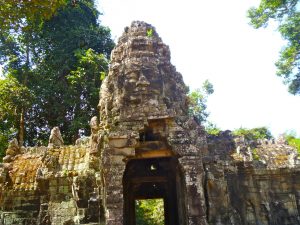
(212, 40)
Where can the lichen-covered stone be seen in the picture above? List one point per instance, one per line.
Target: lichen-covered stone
(251, 182)
(48, 186)
(146, 146)
(55, 139)
(143, 108)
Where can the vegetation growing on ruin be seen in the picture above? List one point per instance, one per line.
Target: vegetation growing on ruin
(293, 141)
(212, 129)
(253, 134)
(255, 154)
(150, 32)
(287, 14)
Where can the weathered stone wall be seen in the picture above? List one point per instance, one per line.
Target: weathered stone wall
(143, 114)
(146, 146)
(243, 190)
(43, 185)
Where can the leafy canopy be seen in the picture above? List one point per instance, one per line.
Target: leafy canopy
(286, 13)
(60, 55)
(72, 60)
(19, 22)
(13, 97)
(198, 101)
(17, 14)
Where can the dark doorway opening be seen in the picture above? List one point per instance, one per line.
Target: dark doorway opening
(154, 178)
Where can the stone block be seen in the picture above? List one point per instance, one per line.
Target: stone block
(123, 151)
(118, 142)
(117, 159)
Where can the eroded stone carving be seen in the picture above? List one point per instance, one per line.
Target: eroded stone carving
(143, 111)
(55, 139)
(94, 134)
(251, 190)
(12, 150)
(144, 146)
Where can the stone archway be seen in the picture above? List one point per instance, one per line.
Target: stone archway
(145, 120)
(154, 178)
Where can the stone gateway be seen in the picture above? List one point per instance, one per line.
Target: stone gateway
(154, 149)
(146, 146)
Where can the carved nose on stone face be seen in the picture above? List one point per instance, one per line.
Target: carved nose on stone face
(142, 82)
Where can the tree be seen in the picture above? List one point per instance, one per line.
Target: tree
(16, 46)
(60, 56)
(17, 14)
(286, 13)
(72, 59)
(13, 98)
(19, 21)
(198, 101)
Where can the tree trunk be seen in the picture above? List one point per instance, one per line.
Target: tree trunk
(22, 114)
(21, 128)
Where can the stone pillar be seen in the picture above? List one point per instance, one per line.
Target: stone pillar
(193, 174)
(114, 194)
(114, 168)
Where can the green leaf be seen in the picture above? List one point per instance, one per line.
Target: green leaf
(286, 14)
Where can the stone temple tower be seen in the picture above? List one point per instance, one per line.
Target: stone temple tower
(146, 146)
(151, 148)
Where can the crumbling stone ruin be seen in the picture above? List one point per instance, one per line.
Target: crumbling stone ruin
(153, 147)
(145, 146)
(240, 189)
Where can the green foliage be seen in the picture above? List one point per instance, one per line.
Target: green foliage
(61, 59)
(253, 134)
(255, 154)
(7, 132)
(13, 97)
(293, 141)
(89, 62)
(207, 87)
(198, 101)
(212, 129)
(72, 54)
(150, 32)
(286, 12)
(18, 14)
(149, 212)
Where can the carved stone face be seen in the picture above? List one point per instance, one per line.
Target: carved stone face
(142, 81)
(142, 85)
